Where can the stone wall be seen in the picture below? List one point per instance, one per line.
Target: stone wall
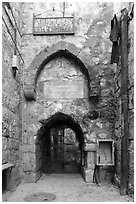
(91, 45)
(118, 106)
(11, 115)
(131, 105)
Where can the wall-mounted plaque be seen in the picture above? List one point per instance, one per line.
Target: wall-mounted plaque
(53, 25)
(64, 89)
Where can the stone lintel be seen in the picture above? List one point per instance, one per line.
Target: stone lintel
(89, 147)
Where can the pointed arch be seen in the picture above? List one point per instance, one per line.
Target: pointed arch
(61, 48)
(60, 118)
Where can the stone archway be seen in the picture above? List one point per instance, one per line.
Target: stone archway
(61, 141)
(65, 49)
(38, 110)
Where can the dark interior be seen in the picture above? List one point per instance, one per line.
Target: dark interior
(62, 141)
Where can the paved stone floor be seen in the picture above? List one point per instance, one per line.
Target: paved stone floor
(69, 188)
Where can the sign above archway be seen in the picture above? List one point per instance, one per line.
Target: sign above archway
(53, 25)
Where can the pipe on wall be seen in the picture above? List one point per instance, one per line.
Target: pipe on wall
(124, 101)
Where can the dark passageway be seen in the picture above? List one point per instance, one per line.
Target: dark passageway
(61, 153)
(61, 145)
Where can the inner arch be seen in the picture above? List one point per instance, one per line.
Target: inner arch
(60, 118)
(65, 53)
(61, 139)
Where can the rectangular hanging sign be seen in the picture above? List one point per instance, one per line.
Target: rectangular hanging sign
(53, 26)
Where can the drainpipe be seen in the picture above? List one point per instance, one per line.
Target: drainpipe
(124, 101)
(15, 39)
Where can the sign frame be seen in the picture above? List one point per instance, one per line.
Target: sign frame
(72, 32)
(57, 91)
(108, 141)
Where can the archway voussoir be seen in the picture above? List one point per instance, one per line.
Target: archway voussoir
(85, 58)
(61, 45)
(38, 59)
(46, 115)
(73, 49)
(50, 52)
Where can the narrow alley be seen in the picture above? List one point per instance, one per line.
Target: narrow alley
(68, 101)
(69, 188)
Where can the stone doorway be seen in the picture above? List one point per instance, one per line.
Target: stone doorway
(61, 142)
(60, 98)
(61, 153)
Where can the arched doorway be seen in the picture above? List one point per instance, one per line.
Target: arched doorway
(61, 48)
(61, 145)
(60, 88)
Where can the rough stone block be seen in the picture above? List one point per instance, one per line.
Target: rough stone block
(4, 156)
(28, 177)
(102, 175)
(131, 132)
(117, 124)
(13, 156)
(118, 145)
(29, 161)
(61, 45)
(92, 137)
(131, 56)
(29, 92)
(14, 178)
(73, 49)
(130, 189)
(131, 69)
(4, 143)
(13, 144)
(102, 135)
(117, 180)
(131, 98)
(131, 124)
(118, 168)
(88, 175)
(87, 60)
(29, 148)
(90, 159)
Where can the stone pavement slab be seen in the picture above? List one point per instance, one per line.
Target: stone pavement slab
(69, 188)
